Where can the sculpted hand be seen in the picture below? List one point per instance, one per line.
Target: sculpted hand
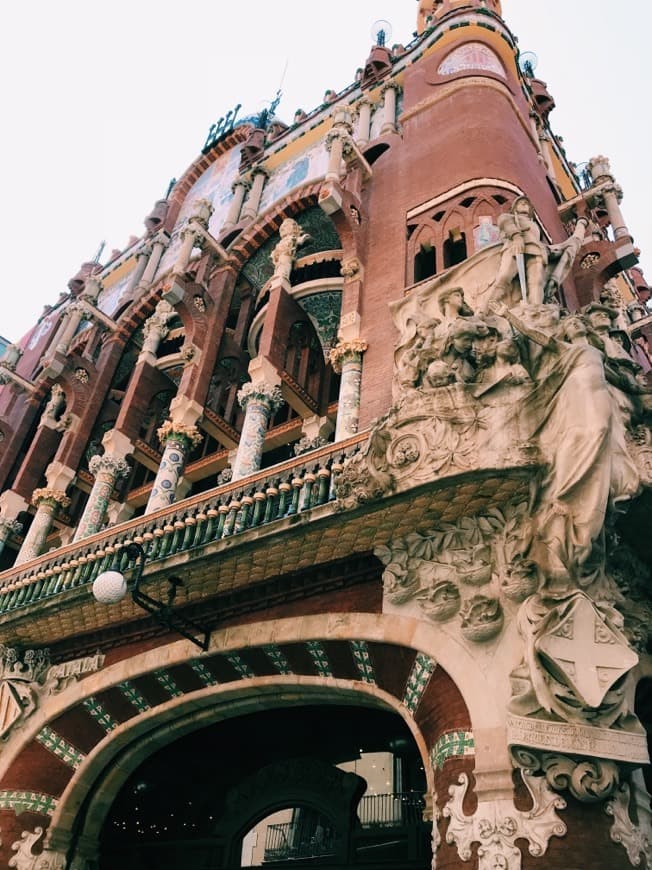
(498, 308)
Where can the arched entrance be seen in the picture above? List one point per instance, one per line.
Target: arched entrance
(310, 785)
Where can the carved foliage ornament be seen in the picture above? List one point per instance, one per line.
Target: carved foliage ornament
(269, 395)
(441, 571)
(25, 859)
(496, 825)
(635, 839)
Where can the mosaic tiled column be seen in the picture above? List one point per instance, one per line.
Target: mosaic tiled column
(7, 529)
(346, 359)
(48, 502)
(259, 402)
(107, 470)
(178, 439)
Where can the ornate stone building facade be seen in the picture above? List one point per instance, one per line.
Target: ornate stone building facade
(323, 504)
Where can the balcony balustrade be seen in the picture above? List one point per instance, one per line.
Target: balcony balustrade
(287, 489)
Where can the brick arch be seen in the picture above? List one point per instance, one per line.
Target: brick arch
(267, 224)
(104, 779)
(49, 768)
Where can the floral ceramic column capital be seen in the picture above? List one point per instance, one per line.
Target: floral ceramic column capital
(269, 395)
(347, 351)
(55, 498)
(115, 465)
(190, 436)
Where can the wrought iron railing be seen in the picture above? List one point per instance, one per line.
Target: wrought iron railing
(303, 838)
(286, 489)
(390, 810)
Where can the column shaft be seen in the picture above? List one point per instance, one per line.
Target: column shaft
(347, 359)
(107, 470)
(259, 402)
(250, 210)
(235, 207)
(47, 504)
(178, 441)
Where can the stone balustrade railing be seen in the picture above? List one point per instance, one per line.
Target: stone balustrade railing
(285, 489)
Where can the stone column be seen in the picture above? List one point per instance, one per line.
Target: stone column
(72, 318)
(155, 329)
(336, 142)
(202, 209)
(346, 359)
(363, 128)
(250, 211)
(107, 470)
(48, 502)
(259, 402)
(389, 110)
(141, 264)
(239, 189)
(612, 195)
(7, 529)
(159, 244)
(178, 439)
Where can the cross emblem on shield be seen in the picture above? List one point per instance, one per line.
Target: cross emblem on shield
(587, 651)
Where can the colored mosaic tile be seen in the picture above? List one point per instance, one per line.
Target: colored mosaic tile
(418, 680)
(168, 683)
(207, 678)
(241, 667)
(320, 659)
(60, 747)
(453, 744)
(104, 720)
(134, 696)
(28, 802)
(277, 658)
(362, 660)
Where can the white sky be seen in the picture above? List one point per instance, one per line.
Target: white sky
(103, 104)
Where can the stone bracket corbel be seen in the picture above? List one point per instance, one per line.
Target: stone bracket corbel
(102, 318)
(496, 825)
(351, 145)
(210, 240)
(8, 375)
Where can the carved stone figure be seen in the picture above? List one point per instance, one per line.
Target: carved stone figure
(284, 254)
(524, 255)
(412, 358)
(538, 268)
(580, 436)
(562, 257)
